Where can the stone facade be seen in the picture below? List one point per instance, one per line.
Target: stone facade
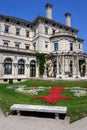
(21, 39)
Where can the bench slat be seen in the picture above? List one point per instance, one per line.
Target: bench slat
(38, 108)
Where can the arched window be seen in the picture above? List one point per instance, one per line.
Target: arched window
(21, 67)
(55, 46)
(8, 66)
(32, 68)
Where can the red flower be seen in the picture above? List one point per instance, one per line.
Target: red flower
(85, 87)
(54, 96)
(32, 86)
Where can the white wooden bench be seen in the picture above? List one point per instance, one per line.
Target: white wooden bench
(37, 108)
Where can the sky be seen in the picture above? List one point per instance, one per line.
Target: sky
(30, 9)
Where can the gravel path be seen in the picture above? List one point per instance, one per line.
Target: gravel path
(34, 123)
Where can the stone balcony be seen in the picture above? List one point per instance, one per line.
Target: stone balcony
(13, 49)
(69, 34)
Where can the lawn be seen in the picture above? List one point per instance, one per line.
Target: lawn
(77, 107)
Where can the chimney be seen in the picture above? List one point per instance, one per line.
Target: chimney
(48, 11)
(68, 19)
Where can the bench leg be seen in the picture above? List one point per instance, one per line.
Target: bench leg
(56, 116)
(18, 113)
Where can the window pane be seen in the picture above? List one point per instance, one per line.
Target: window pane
(8, 66)
(79, 46)
(6, 29)
(21, 67)
(32, 68)
(46, 30)
(27, 47)
(53, 31)
(46, 46)
(5, 44)
(17, 46)
(27, 33)
(71, 46)
(55, 46)
(17, 31)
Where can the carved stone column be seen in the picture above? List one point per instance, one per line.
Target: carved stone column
(45, 75)
(27, 66)
(59, 66)
(86, 67)
(1, 69)
(57, 75)
(74, 66)
(63, 66)
(1, 66)
(77, 67)
(15, 70)
(37, 69)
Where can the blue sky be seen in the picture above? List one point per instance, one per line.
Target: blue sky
(29, 9)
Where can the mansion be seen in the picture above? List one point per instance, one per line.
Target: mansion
(21, 39)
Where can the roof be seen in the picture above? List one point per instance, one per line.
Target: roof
(53, 23)
(26, 23)
(12, 19)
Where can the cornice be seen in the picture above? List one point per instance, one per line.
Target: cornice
(15, 20)
(62, 35)
(38, 19)
(80, 40)
(53, 23)
(71, 36)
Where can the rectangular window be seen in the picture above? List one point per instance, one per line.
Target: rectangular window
(27, 47)
(6, 28)
(53, 31)
(71, 46)
(5, 44)
(27, 33)
(17, 46)
(55, 46)
(46, 46)
(17, 31)
(79, 46)
(46, 30)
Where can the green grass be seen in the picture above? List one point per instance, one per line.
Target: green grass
(77, 107)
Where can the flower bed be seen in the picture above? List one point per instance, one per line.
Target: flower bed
(27, 92)
(31, 91)
(54, 96)
(79, 92)
(85, 86)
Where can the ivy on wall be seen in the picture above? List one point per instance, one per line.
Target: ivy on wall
(41, 60)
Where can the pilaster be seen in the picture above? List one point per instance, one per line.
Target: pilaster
(1, 66)
(77, 68)
(86, 67)
(15, 70)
